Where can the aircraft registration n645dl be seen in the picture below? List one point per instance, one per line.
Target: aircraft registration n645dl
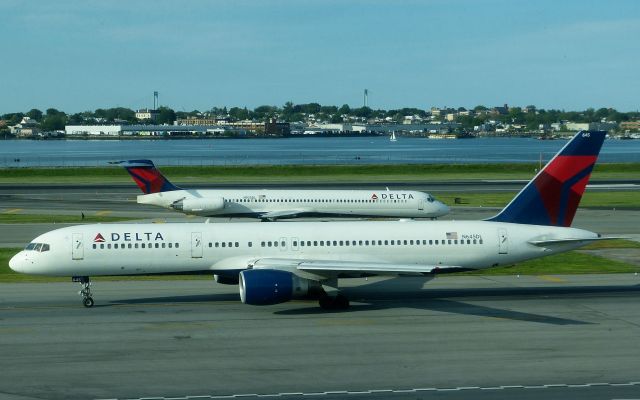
(268, 204)
(277, 262)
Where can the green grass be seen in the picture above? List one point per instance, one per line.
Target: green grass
(574, 262)
(55, 219)
(600, 199)
(306, 173)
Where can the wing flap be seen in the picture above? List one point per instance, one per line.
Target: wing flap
(283, 213)
(337, 266)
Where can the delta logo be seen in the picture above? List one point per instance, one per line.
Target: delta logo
(99, 238)
(392, 196)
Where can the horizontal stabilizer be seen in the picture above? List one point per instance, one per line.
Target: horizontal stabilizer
(551, 242)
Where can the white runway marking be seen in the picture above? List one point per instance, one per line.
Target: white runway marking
(379, 391)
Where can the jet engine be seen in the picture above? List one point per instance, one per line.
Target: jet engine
(270, 286)
(199, 205)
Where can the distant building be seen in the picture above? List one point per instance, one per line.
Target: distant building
(504, 110)
(26, 128)
(145, 114)
(591, 126)
(275, 128)
(630, 126)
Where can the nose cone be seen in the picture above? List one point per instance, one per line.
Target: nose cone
(17, 262)
(443, 209)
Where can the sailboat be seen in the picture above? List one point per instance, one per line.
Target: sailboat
(392, 138)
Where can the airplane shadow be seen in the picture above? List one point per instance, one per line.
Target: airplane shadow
(198, 298)
(411, 293)
(390, 294)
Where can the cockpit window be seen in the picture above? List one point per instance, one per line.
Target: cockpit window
(38, 247)
(430, 199)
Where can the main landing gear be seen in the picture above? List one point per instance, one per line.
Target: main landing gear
(85, 292)
(338, 302)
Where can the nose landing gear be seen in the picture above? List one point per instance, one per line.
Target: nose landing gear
(85, 292)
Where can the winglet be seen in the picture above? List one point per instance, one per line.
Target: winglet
(552, 196)
(147, 176)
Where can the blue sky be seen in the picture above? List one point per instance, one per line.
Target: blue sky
(83, 55)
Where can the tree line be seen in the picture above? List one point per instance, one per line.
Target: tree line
(53, 119)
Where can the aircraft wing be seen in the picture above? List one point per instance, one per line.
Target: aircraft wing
(336, 267)
(283, 213)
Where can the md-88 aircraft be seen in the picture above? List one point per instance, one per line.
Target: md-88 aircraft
(268, 204)
(276, 262)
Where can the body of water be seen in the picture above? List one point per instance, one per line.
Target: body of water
(316, 150)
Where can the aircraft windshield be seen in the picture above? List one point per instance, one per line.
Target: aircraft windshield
(430, 199)
(40, 247)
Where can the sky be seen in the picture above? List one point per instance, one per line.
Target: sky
(82, 55)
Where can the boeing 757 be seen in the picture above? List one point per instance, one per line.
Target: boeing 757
(276, 262)
(275, 204)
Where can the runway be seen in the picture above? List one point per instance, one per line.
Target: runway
(407, 338)
(120, 200)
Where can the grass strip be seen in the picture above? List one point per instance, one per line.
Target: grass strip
(591, 199)
(56, 219)
(306, 173)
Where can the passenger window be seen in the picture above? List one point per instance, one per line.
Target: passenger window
(102, 245)
(115, 246)
(109, 246)
(262, 244)
(224, 244)
(94, 246)
(315, 243)
(322, 243)
(302, 243)
(136, 245)
(177, 245)
(129, 245)
(237, 244)
(163, 245)
(275, 244)
(249, 244)
(170, 245)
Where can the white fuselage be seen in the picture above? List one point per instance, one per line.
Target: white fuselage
(126, 249)
(385, 203)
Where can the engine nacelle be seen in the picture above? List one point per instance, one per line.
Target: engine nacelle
(207, 204)
(270, 286)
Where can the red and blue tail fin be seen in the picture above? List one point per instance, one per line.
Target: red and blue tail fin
(147, 176)
(552, 197)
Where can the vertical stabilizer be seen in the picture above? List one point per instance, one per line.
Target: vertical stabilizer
(147, 176)
(553, 195)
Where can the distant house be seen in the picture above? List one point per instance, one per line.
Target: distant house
(26, 128)
(145, 114)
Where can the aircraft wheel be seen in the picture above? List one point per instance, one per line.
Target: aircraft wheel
(87, 302)
(341, 302)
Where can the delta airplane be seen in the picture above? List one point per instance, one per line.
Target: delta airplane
(276, 262)
(273, 204)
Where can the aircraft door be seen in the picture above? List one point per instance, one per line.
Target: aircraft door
(503, 242)
(196, 244)
(77, 247)
(420, 205)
